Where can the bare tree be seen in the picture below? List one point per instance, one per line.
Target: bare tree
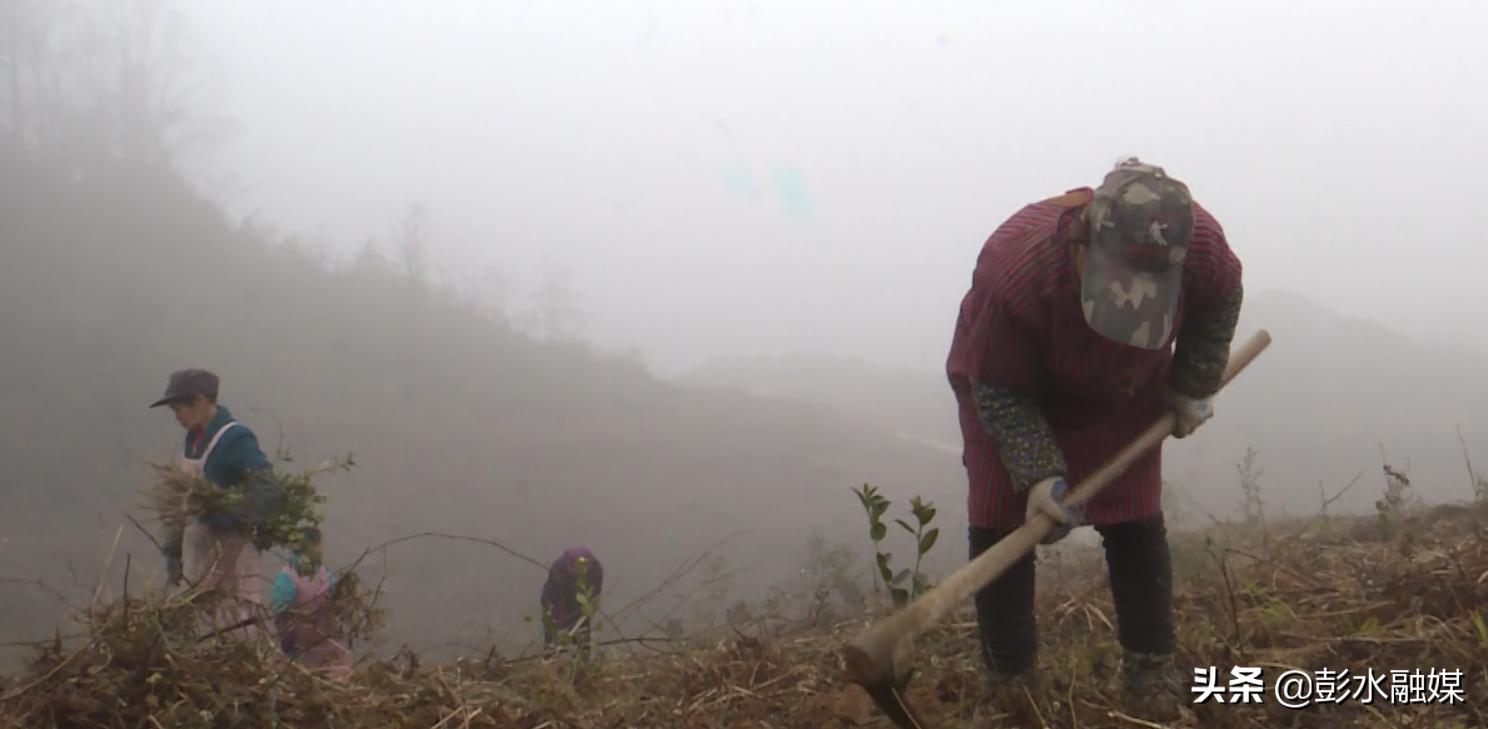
(494, 287)
(1250, 484)
(556, 313)
(412, 235)
(11, 58)
(114, 75)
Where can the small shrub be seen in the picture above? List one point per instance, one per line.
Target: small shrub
(715, 589)
(829, 569)
(1250, 484)
(1393, 502)
(908, 583)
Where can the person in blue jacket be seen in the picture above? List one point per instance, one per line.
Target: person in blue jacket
(219, 550)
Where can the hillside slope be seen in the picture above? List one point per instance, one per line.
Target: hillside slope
(913, 403)
(1335, 595)
(1317, 407)
(110, 280)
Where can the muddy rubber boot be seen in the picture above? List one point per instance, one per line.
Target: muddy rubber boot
(1151, 685)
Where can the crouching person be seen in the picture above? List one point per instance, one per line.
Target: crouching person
(300, 601)
(574, 579)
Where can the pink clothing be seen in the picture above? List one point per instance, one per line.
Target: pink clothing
(308, 630)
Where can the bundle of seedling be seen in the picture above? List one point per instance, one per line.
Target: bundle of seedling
(286, 501)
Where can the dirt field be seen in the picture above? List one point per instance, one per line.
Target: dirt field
(1356, 594)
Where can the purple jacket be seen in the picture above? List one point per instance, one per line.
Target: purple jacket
(559, 595)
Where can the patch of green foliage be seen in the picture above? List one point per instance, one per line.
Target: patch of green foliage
(301, 506)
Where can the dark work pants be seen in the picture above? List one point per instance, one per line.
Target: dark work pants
(1141, 574)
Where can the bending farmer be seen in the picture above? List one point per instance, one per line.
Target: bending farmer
(574, 574)
(1089, 315)
(300, 601)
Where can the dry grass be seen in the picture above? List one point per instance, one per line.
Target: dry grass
(176, 497)
(1315, 595)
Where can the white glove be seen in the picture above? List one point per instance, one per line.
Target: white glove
(1044, 498)
(1189, 413)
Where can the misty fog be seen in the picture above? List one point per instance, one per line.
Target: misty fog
(689, 269)
(746, 177)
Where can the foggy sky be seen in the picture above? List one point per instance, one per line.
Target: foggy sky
(754, 177)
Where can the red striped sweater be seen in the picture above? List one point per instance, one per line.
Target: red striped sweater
(1021, 330)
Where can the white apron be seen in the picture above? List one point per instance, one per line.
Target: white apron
(228, 563)
(197, 466)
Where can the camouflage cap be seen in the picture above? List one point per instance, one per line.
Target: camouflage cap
(1140, 224)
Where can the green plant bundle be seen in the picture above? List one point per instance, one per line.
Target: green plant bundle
(178, 497)
(300, 506)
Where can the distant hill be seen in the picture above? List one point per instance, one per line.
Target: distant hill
(1330, 391)
(908, 402)
(1316, 406)
(112, 277)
